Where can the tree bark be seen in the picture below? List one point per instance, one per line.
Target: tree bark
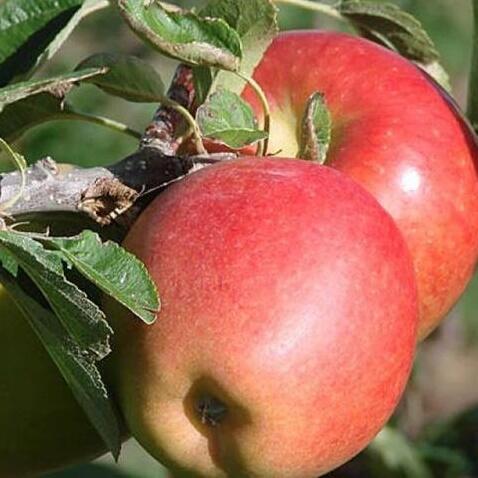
(103, 193)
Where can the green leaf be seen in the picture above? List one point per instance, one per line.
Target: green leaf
(88, 7)
(183, 35)
(203, 78)
(256, 23)
(27, 104)
(78, 336)
(80, 317)
(127, 77)
(227, 118)
(27, 27)
(58, 86)
(111, 268)
(390, 26)
(79, 371)
(316, 130)
(398, 454)
(17, 118)
(8, 262)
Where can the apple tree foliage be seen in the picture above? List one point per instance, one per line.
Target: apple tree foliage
(221, 41)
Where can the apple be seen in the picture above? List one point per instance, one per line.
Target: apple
(42, 426)
(288, 322)
(396, 134)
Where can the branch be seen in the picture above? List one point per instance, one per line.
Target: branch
(162, 132)
(102, 193)
(119, 192)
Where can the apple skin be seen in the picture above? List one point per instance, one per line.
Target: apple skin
(42, 426)
(288, 295)
(396, 134)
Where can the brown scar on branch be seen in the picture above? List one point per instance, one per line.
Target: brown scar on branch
(107, 199)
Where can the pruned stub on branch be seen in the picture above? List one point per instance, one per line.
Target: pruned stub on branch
(107, 199)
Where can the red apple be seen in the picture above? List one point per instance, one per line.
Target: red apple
(288, 322)
(396, 135)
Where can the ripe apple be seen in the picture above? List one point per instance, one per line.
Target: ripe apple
(288, 322)
(397, 135)
(42, 426)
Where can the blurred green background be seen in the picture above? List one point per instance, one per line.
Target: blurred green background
(437, 423)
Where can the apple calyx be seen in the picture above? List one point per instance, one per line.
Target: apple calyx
(211, 410)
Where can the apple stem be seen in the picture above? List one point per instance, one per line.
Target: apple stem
(317, 7)
(264, 145)
(472, 109)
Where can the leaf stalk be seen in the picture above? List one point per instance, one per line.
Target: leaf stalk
(264, 145)
(100, 120)
(189, 118)
(314, 6)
